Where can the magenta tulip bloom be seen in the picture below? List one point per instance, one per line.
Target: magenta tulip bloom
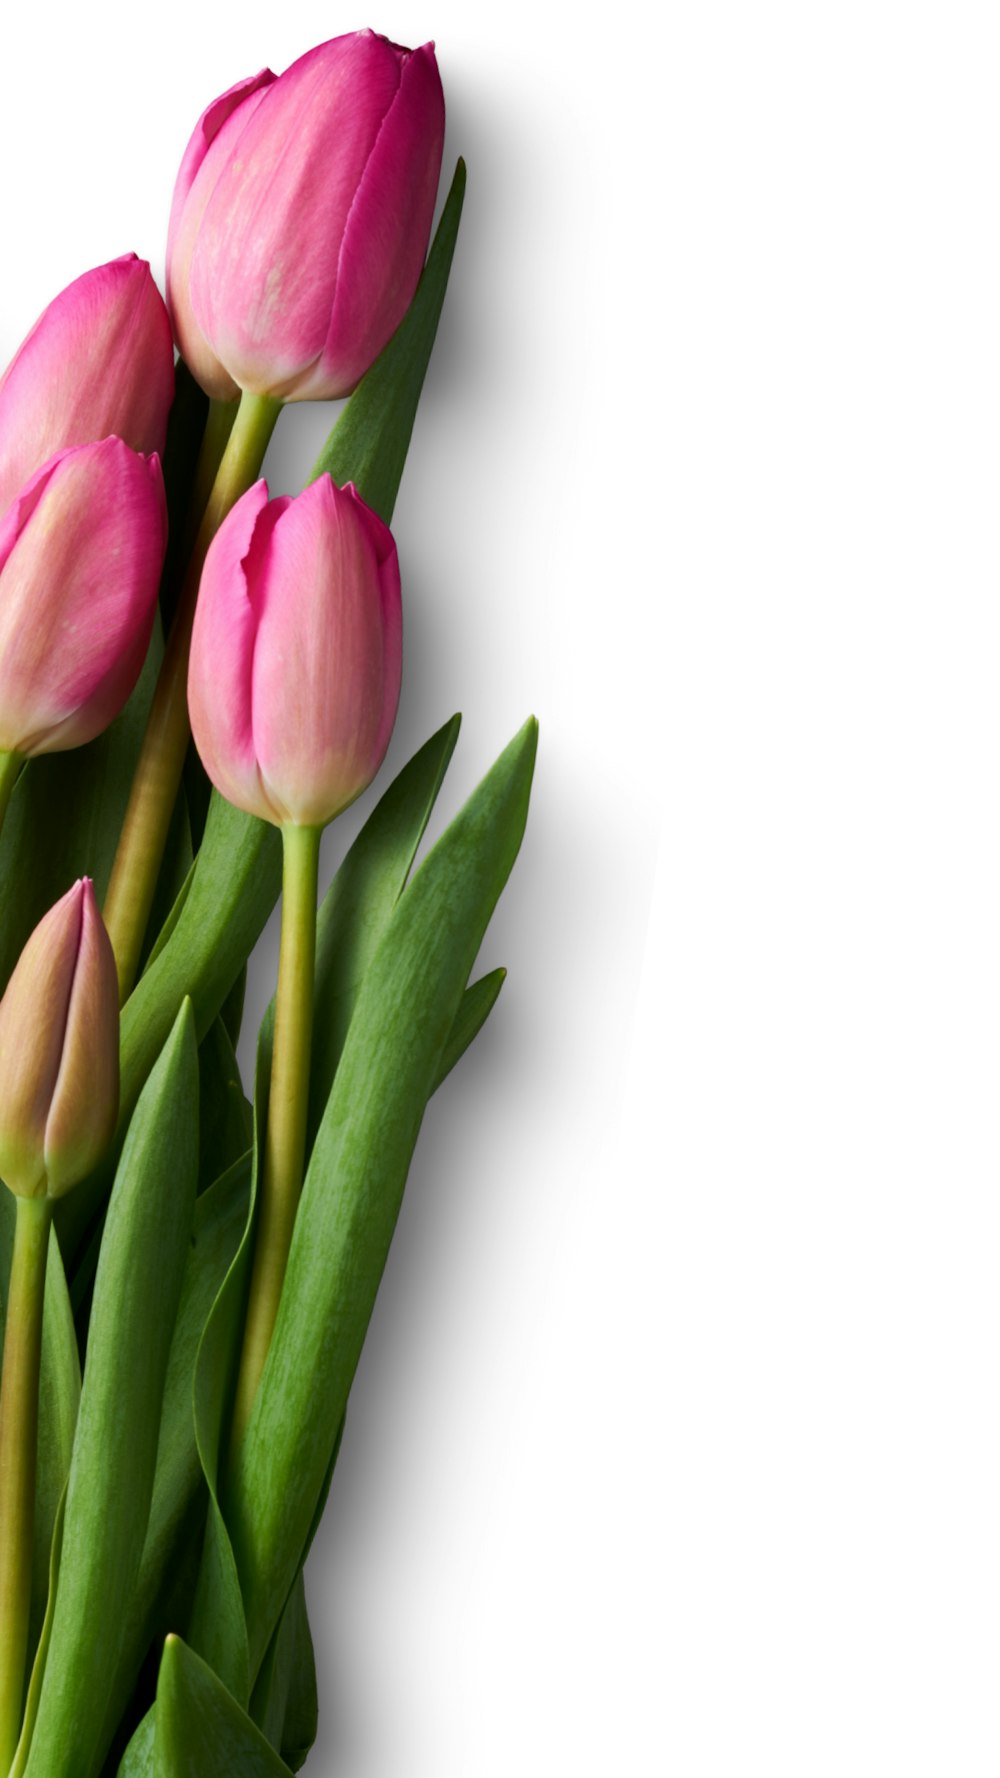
(59, 1051)
(99, 360)
(81, 550)
(301, 218)
(296, 653)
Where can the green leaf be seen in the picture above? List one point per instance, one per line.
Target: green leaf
(474, 1009)
(285, 1705)
(301, 1722)
(201, 1732)
(404, 1013)
(177, 1510)
(352, 920)
(58, 1401)
(369, 443)
(114, 1453)
(217, 1628)
(359, 903)
(42, 1650)
(226, 1126)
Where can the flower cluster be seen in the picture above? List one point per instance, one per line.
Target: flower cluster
(177, 728)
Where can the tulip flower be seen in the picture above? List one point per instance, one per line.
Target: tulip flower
(293, 686)
(99, 360)
(58, 1105)
(301, 217)
(296, 653)
(59, 1051)
(81, 550)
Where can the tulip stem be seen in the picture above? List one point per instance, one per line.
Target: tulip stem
(218, 427)
(10, 771)
(158, 771)
(287, 1109)
(22, 1353)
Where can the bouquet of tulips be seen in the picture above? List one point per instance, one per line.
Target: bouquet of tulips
(195, 679)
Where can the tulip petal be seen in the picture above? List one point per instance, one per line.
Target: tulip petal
(387, 229)
(222, 650)
(99, 360)
(80, 559)
(320, 665)
(33, 1015)
(212, 142)
(84, 1101)
(264, 262)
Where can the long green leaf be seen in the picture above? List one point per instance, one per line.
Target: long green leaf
(201, 1732)
(226, 1123)
(404, 1014)
(359, 903)
(176, 1511)
(114, 1453)
(285, 1705)
(354, 916)
(42, 1650)
(58, 1401)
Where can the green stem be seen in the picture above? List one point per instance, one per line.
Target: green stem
(22, 1353)
(287, 1108)
(10, 771)
(161, 760)
(218, 427)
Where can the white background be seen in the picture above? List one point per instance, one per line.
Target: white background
(674, 1449)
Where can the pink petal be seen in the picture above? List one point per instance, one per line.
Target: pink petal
(222, 651)
(207, 153)
(387, 230)
(98, 361)
(84, 1102)
(323, 657)
(263, 270)
(80, 560)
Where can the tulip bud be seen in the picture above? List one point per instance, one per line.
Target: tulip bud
(59, 1051)
(296, 653)
(301, 217)
(99, 360)
(81, 550)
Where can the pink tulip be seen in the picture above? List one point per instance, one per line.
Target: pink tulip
(99, 360)
(296, 653)
(81, 550)
(301, 217)
(59, 1050)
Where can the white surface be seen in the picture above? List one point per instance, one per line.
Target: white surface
(674, 1449)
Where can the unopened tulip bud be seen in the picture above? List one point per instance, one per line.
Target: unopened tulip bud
(301, 218)
(59, 1051)
(99, 360)
(81, 550)
(296, 653)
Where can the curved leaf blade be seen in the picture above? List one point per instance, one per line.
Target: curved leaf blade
(405, 1010)
(114, 1453)
(201, 1732)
